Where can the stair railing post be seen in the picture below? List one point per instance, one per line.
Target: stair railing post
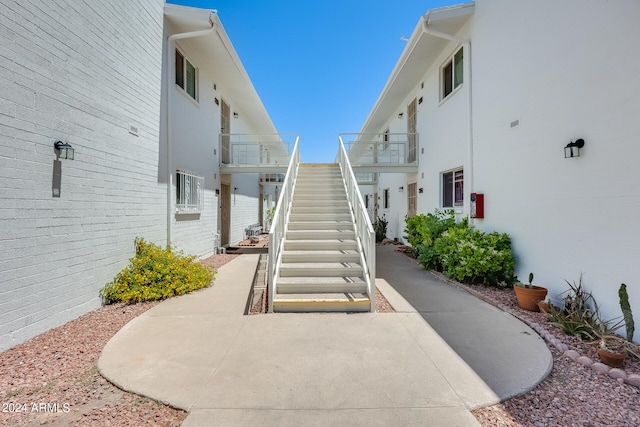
(278, 227)
(364, 229)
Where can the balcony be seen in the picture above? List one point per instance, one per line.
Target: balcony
(250, 153)
(382, 152)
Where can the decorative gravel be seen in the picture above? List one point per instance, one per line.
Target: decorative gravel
(52, 379)
(580, 391)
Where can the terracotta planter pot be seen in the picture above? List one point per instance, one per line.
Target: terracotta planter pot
(528, 298)
(615, 360)
(544, 307)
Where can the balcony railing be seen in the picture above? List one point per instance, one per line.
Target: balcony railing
(392, 152)
(256, 153)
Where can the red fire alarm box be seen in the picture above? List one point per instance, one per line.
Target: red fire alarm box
(477, 205)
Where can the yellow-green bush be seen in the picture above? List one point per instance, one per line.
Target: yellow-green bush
(156, 273)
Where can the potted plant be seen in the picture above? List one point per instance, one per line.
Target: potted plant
(612, 348)
(529, 295)
(544, 306)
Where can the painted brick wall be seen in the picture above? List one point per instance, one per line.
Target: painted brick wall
(80, 72)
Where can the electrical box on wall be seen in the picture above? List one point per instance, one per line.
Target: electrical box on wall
(477, 205)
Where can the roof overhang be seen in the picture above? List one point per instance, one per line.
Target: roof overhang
(217, 52)
(420, 54)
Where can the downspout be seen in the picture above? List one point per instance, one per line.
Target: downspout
(170, 55)
(466, 43)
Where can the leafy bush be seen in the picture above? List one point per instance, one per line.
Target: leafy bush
(423, 230)
(156, 273)
(472, 256)
(380, 228)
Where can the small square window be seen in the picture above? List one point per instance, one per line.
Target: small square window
(189, 192)
(453, 189)
(452, 73)
(186, 75)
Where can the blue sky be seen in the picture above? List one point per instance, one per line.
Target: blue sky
(318, 66)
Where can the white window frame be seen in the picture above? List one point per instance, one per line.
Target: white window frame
(456, 192)
(456, 77)
(182, 81)
(189, 192)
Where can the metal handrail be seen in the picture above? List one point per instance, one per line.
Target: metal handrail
(250, 149)
(278, 227)
(383, 149)
(364, 229)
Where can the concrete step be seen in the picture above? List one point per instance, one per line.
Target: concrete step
(332, 244)
(299, 209)
(301, 255)
(321, 269)
(308, 201)
(320, 234)
(321, 225)
(322, 302)
(319, 216)
(315, 285)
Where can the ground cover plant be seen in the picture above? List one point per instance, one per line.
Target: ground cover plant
(156, 273)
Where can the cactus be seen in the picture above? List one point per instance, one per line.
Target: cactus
(626, 311)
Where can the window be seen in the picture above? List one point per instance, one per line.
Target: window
(452, 188)
(189, 192)
(412, 199)
(186, 75)
(385, 139)
(452, 73)
(385, 199)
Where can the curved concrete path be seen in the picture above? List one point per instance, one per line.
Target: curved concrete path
(200, 353)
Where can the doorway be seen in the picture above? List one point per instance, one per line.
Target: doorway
(225, 213)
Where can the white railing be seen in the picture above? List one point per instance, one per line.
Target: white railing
(278, 226)
(381, 149)
(256, 150)
(364, 229)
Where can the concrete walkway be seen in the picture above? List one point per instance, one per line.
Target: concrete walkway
(200, 353)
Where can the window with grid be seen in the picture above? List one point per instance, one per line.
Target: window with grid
(452, 73)
(453, 188)
(189, 192)
(412, 199)
(186, 75)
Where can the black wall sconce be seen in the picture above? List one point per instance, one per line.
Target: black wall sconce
(65, 150)
(400, 115)
(236, 115)
(400, 189)
(573, 148)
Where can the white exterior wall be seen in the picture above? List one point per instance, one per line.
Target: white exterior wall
(565, 216)
(244, 205)
(80, 73)
(195, 129)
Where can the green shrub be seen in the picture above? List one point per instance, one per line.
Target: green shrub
(380, 228)
(423, 230)
(156, 273)
(472, 256)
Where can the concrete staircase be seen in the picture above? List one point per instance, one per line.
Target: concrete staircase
(321, 266)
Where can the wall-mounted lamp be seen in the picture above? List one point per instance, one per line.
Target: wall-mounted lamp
(401, 189)
(65, 150)
(420, 190)
(400, 115)
(573, 148)
(235, 115)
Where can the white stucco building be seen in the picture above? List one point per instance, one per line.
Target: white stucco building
(142, 92)
(499, 88)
